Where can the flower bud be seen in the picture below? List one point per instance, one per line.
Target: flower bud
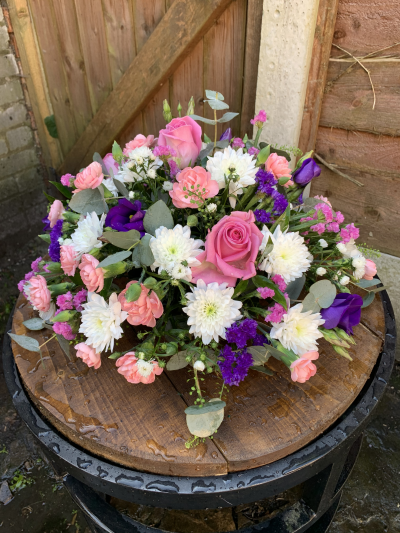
(167, 111)
(341, 351)
(190, 110)
(192, 221)
(199, 365)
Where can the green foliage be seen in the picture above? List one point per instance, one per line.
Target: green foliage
(34, 324)
(117, 152)
(20, 481)
(205, 420)
(156, 216)
(178, 361)
(50, 123)
(98, 159)
(122, 239)
(64, 344)
(262, 281)
(87, 201)
(64, 316)
(133, 292)
(63, 190)
(322, 294)
(114, 258)
(26, 342)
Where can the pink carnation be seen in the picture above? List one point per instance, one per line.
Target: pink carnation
(260, 118)
(39, 294)
(90, 177)
(333, 226)
(349, 232)
(138, 141)
(56, 212)
(69, 259)
(319, 228)
(144, 310)
(136, 370)
(91, 276)
(253, 151)
(339, 217)
(277, 312)
(265, 292)
(192, 187)
(279, 281)
(370, 269)
(64, 301)
(79, 298)
(64, 329)
(238, 143)
(67, 180)
(303, 369)
(164, 151)
(88, 355)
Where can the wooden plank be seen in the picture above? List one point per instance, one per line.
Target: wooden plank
(74, 66)
(138, 426)
(94, 46)
(348, 101)
(35, 77)
(118, 19)
(223, 63)
(147, 17)
(324, 29)
(251, 58)
(186, 21)
(153, 119)
(131, 130)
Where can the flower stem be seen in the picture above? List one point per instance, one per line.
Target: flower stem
(48, 340)
(196, 380)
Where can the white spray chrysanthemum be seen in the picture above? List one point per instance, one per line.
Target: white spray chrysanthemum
(175, 252)
(211, 310)
(298, 331)
(359, 263)
(229, 162)
(142, 164)
(86, 236)
(101, 321)
(289, 256)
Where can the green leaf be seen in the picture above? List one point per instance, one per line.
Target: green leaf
(263, 369)
(368, 299)
(106, 289)
(283, 181)
(178, 361)
(50, 123)
(202, 119)
(115, 355)
(117, 152)
(206, 138)
(227, 117)
(262, 281)
(263, 155)
(60, 288)
(192, 221)
(26, 342)
(214, 95)
(260, 354)
(122, 239)
(295, 287)
(121, 188)
(71, 217)
(34, 324)
(50, 199)
(98, 159)
(133, 293)
(146, 256)
(87, 201)
(208, 407)
(150, 283)
(240, 288)
(62, 341)
(310, 304)
(280, 152)
(156, 216)
(64, 316)
(217, 104)
(324, 292)
(63, 190)
(365, 283)
(112, 259)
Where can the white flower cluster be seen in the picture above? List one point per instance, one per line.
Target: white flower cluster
(141, 165)
(86, 236)
(350, 251)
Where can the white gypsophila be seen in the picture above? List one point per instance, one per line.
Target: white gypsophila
(323, 243)
(289, 256)
(86, 236)
(211, 208)
(167, 186)
(109, 183)
(359, 263)
(321, 271)
(348, 250)
(232, 162)
(344, 280)
(172, 247)
(211, 310)
(298, 331)
(181, 272)
(101, 321)
(151, 173)
(141, 162)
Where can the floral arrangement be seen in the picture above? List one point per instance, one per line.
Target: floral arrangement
(211, 250)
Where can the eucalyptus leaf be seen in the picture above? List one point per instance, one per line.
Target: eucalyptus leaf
(209, 407)
(206, 151)
(34, 324)
(115, 258)
(26, 342)
(98, 159)
(121, 188)
(227, 117)
(310, 304)
(205, 424)
(87, 201)
(368, 299)
(260, 354)
(217, 104)
(262, 369)
(324, 292)
(178, 361)
(122, 239)
(202, 119)
(365, 283)
(146, 256)
(213, 95)
(156, 216)
(295, 287)
(62, 341)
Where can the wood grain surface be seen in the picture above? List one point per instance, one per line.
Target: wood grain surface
(144, 427)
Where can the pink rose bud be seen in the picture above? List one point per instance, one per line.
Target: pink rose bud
(303, 369)
(39, 294)
(90, 177)
(137, 142)
(137, 370)
(56, 212)
(184, 136)
(279, 166)
(145, 309)
(88, 355)
(192, 187)
(69, 260)
(370, 269)
(91, 276)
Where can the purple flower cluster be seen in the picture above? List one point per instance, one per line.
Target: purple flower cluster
(173, 168)
(64, 329)
(238, 143)
(280, 202)
(35, 265)
(241, 332)
(266, 181)
(262, 216)
(253, 151)
(65, 301)
(54, 248)
(235, 365)
(80, 298)
(260, 340)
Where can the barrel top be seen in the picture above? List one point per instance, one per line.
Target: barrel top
(144, 426)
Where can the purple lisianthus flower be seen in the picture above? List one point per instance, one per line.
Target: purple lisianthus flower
(344, 313)
(126, 216)
(235, 365)
(227, 135)
(308, 170)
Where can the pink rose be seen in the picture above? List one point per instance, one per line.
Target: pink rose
(303, 369)
(137, 142)
(91, 276)
(144, 310)
(69, 259)
(88, 355)
(110, 162)
(39, 294)
(279, 166)
(231, 249)
(370, 269)
(184, 136)
(56, 212)
(193, 186)
(90, 177)
(137, 370)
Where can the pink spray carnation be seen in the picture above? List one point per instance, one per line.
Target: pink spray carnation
(138, 141)
(184, 136)
(260, 118)
(237, 143)
(35, 264)
(265, 292)
(326, 211)
(319, 228)
(279, 281)
(370, 269)
(39, 294)
(333, 226)
(56, 212)
(67, 180)
(69, 259)
(303, 369)
(90, 177)
(339, 217)
(253, 151)
(80, 298)
(88, 355)
(164, 151)
(277, 312)
(192, 187)
(144, 310)
(92, 276)
(64, 329)
(64, 301)
(349, 232)
(136, 370)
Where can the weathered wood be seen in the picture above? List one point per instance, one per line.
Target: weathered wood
(324, 29)
(176, 35)
(132, 129)
(251, 57)
(147, 17)
(144, 426)
(153, 120)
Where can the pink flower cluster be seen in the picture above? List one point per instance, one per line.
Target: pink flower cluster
(332, 220)
(90, 177)
(265, 292)
(69, 259)
(279, 281)
(139, 141)
(192, 187)
(164, 151)
(67, 180)
(92, 276)
(277, 312)
(253, 151)
(279, 166)
(64, 329)
(88, 355)
(259, 119)
(65, 302)
(349, 232)
(145, 309)
(39, 294)
(237, 143)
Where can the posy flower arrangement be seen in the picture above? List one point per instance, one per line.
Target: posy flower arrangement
(210, 249)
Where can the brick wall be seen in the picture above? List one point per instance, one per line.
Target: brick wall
(22, 203)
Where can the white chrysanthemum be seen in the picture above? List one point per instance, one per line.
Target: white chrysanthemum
(145, 368)
(359, 263)
(101, 321)
(181, 272)
(171, 247)
(109, 183)
(228, 162)
(167, 186)
(289, 256)
(142, 164)
(298, 331)
(211, 310)
(89, 229)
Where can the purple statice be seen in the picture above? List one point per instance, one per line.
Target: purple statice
(253, 151)
(46, 222)
(280, 202)
(241, 332)
(237, 143)
(235, 365)
(173, 168)
(164, 151)
(80, 298)
(64, 329)
(65, 301)
(54, 248)
(35, 265)
(262, 216)
(260, 340)
(266, 181)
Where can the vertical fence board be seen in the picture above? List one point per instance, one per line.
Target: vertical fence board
(74, 67)
(223, 63)
(94, 44)
(48, 39)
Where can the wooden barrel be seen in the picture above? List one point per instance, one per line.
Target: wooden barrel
(144, 426)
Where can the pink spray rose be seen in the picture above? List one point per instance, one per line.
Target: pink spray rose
(138, 141)
(184, 136)
(303, 369)
(193, 186)
(145, 309)
(90, 177)
(230, 251)
(279, 166)
(69, 259)
(91, 276)
(88, 355)
(110, 162)
(56, 212)
(39, 294)
(370, 269)
(137, 370)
